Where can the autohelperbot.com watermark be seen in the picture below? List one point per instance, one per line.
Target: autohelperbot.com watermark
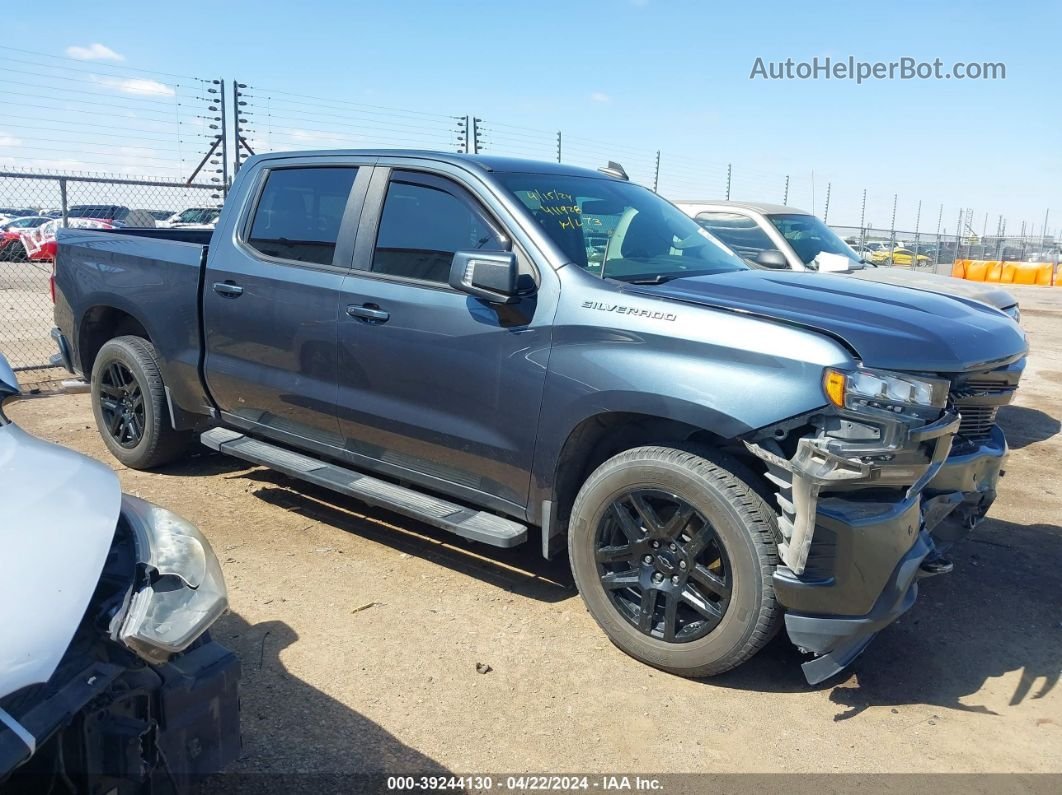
(850, 68)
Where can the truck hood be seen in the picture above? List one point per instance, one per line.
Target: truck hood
(58, 513)
(889, 327)
(934, 283)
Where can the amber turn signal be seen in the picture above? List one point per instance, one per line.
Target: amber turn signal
(833, 383)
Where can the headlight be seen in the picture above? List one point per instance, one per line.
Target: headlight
(1013, 312)
(880, 389)
(187, 591)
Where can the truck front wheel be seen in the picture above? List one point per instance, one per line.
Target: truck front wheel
(129, 403)
(673, 553)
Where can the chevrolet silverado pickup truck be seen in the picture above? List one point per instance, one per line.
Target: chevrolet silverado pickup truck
(775, 236)
(513, 350)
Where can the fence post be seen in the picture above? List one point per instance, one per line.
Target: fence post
(863, 221)
(892, 230)
(656, 173)
(937, 243)
(62, 200)
(918, 222)
(785, 196)
(729, 172)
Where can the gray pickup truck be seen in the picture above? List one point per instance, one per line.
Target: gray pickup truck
(508, 349)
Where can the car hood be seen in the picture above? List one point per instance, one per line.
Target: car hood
(934, 283)
(888, 327)
(58, 513)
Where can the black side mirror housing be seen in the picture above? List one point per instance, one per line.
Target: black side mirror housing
(772, 258)
(490, 275)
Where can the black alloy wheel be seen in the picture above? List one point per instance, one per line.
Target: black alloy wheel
(122, 405)
(663, 566)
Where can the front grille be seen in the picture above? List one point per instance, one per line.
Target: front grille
(978, 397)
(976, 421)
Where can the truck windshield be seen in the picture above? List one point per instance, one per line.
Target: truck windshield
(619, 230)
(810, 238)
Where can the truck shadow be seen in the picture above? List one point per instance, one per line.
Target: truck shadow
(521, 570)
(296, 738)
(1024, 426)
(996, 614)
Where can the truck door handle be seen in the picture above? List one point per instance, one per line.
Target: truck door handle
(370, 313)
(228, 289)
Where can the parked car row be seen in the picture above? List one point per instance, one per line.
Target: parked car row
(32, 237)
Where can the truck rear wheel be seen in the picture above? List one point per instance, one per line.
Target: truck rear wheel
(129, 403)
(673, 553)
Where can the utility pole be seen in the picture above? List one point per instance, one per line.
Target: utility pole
(785, 196)
(463, 130)
(729, 173)
(240, 141)
(477, 142)
(219, 139)
(558, 146)
(656, 173)
(826, 210)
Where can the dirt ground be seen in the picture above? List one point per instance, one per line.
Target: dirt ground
(360, 634)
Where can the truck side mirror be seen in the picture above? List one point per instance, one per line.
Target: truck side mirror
(491, 275)
(772, 258)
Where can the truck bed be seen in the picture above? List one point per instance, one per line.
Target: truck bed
(154, 276)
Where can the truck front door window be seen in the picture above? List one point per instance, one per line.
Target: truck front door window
(422, 226)
(299, 213)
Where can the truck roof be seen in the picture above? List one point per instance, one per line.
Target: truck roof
(756, 207)
(485, 162)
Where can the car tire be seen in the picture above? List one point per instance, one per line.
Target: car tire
(129, 404)
(725, 506)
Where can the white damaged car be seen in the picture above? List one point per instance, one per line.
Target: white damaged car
(109, 680)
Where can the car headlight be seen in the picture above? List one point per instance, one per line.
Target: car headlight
(186, 589)
(1013, 312)
(883, 390)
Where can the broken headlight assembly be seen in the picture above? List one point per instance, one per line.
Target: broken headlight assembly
(180, 589)
(875, 391)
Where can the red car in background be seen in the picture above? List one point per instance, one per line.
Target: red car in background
(11, 247)
(38, 245)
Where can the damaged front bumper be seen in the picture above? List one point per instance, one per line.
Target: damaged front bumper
(858, 524)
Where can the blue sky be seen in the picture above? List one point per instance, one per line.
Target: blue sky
(623, 79)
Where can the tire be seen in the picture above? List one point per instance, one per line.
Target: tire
(132, 361)
(725, 508)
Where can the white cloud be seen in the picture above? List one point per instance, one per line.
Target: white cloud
(94, 52)
(138, 86)
(9, 140)
(600, 96)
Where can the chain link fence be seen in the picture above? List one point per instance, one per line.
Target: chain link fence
(32, 207)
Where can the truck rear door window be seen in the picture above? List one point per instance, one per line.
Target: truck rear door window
(299, 213)
(423, 224)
